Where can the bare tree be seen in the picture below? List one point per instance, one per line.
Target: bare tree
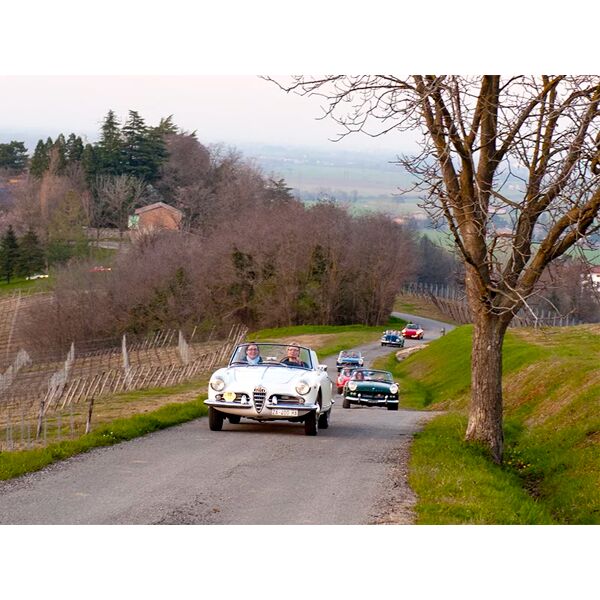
(118, 195)
(529, 146)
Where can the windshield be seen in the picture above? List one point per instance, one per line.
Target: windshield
(371, 375)
(349, 354)
(260, 353)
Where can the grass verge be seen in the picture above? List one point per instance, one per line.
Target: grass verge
(13, 464)
(552, 431)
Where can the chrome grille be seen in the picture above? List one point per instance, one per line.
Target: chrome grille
(259, 397)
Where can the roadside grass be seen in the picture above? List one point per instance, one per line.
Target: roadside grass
(551, 466)
(117, 418)
(458, 484)
(13, 464)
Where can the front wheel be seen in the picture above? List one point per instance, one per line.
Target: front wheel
(346, 403)
(215, 419)
(310, 423)
(324, 419)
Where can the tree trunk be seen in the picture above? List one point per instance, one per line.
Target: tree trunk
(485, 413)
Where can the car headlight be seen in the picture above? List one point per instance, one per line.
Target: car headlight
(394, 388)
(217, 384)
(352, 386)
(302, 388)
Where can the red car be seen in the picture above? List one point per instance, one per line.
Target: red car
(342, 379)
(413, 331)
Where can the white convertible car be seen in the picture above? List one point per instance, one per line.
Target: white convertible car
(271, 382)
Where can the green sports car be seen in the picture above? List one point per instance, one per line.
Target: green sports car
(371, 388)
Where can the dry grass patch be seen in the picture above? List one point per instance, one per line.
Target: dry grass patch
(310, 340)
(117, 407)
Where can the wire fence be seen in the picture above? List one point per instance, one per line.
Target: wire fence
(452, 302)
(43, 401)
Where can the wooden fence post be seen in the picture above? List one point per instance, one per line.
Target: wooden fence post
(88, 424)
(40, 418)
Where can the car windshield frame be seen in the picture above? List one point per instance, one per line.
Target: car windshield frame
(272, 353)
(371, 375)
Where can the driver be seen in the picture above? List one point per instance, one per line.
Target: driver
(292, 358)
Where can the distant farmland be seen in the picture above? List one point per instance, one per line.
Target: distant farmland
(363, 182)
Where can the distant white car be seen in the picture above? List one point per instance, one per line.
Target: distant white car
(271, 390)
(37, 276)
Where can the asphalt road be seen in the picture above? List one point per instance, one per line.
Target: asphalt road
(352, 473)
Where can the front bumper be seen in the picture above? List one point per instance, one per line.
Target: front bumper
(265, 412)
(370, 401)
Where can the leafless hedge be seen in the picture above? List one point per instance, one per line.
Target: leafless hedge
(278, 266)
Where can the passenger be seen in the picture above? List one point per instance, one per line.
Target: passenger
(358, 376)
(292, 358)
(253, 356)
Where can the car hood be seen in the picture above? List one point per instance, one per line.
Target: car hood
(373, 386)
(258, 375)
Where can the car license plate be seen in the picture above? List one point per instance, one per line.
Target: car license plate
(285, 412)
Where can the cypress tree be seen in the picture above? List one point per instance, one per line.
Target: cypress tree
(89, 160)
(60, 160)
(9, 254)
(166, 126)
(74, 149)
(40, 160)
(144, 148)
(109, 150)
(31, 258)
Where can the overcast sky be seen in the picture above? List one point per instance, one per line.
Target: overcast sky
(227, 108)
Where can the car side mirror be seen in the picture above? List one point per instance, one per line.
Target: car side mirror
(323, 368)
